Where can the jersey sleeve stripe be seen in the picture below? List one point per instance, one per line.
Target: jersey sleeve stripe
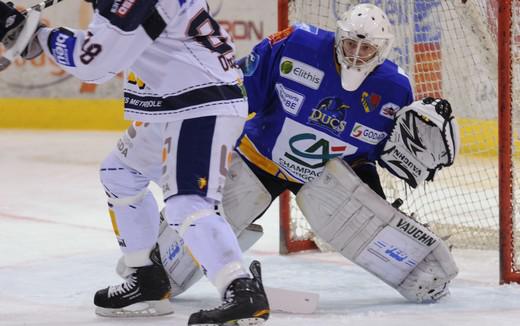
(154, 25)
(248, 150)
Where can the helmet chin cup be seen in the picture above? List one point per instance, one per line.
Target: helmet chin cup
(352, 78)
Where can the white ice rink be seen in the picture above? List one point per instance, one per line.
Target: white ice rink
(57, 248)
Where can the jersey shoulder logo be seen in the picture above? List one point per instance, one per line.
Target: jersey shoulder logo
(370, 101)
(388, 110)
(281, 35)
(128, 15)
(308, 28)
(122, 8)
(62, 43)
(249, 64)
(301, 73)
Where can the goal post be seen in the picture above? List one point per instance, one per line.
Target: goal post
(289, 242)
(509, 271)
(469, 53)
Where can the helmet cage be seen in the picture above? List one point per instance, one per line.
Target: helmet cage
(367, 52)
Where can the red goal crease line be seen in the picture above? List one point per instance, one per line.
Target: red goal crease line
(41, 220)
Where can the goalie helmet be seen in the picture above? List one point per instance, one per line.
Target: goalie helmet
(363, 41)
(425, 138)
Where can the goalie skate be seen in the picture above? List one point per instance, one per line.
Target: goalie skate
(145, 292)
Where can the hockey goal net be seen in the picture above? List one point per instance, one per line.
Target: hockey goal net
(467, 51)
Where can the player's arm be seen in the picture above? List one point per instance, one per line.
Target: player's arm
(115, 38)
(260, 70)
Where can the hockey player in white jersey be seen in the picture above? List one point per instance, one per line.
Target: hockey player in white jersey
(184, 94)
(328, 107)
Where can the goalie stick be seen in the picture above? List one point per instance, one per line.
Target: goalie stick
(292, 301)
(26, 35)
(42, 5)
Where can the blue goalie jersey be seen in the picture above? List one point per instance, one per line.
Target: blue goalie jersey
(302, 115)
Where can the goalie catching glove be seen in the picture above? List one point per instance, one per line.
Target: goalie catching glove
(424, 139)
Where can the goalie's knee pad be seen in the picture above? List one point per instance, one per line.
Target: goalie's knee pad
(245, 197)
(354, 220)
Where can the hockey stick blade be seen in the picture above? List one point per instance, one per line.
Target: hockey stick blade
(291, 301)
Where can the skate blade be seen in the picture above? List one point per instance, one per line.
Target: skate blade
(140, 309)
(246, 322)
(239, 322)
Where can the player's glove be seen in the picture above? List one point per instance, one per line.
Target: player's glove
(12, 23)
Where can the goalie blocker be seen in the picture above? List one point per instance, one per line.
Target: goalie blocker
(344, 212)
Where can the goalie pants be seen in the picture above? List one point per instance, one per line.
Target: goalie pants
(188, 159)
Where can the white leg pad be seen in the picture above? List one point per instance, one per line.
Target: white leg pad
(245, 197)
(355, 221)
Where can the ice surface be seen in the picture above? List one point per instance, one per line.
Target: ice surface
(57, 248)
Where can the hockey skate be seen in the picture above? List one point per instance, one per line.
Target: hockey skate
(145, 292)
(245, 304)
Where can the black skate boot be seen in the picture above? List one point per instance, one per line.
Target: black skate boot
(245, 303)
(144, 293)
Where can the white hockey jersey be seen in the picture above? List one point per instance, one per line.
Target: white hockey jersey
(178, 61)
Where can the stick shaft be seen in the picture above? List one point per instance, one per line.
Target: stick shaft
(42, 5)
